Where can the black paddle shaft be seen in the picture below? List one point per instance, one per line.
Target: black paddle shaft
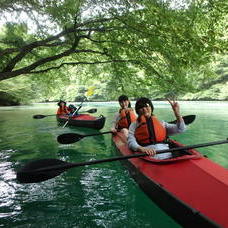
(71, 165)
(40, 116)
(41, 170)
(101, 133)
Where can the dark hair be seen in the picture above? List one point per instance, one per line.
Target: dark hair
(124, 98)
(61, 101)
(142, 102)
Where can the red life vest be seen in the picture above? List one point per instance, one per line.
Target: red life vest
(62, 111)
(127, 116)
(150, 131)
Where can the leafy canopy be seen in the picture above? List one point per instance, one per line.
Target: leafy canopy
(126, 45)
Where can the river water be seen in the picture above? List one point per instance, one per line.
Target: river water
(102, 195)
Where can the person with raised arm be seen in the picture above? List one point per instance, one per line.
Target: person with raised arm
(148, 133)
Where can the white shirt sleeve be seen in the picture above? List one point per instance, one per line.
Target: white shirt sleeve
(131, 140)
(173, 129)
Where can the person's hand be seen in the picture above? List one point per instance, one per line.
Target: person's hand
(114, 131)
(175, 106)
(149, 151)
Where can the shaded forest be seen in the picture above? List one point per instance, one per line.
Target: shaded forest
(75, 49)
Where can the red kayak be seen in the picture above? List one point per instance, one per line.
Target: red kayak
(190, 188)
(83, 120)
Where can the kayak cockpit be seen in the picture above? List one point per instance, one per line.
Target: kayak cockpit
(176, 155)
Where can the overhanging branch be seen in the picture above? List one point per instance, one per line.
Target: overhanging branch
(31, 67)
(26, 49)
(83, 62)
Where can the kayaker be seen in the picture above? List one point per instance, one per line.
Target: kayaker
(124, 117)
(148, 134)
(72, 109)
(63, 109)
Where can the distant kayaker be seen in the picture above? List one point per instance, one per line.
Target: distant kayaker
(124, 117)
(63, 109)
(148, 134)
(72, 109)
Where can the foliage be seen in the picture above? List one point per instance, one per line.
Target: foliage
(20, 90)
(7, 99)
(216, 89)
(148, 47)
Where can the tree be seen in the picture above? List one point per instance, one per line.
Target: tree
(24, 54)
(164, 43)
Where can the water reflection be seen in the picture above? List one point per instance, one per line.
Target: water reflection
(8, 188)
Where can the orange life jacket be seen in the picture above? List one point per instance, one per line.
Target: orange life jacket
(150, 131)
(62, 111)
(127, 116)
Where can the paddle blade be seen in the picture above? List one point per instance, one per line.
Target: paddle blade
(69, 138)
(187, 119)
(31, 173)
(38, 116)
(93, 110)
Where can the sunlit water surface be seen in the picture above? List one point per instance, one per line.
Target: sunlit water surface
(102, 195)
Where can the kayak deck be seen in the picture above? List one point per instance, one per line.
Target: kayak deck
(190, 188)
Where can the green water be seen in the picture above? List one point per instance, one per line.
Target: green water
(102, 195)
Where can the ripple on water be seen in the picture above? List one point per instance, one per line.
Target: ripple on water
(8, 191)
(104, 206)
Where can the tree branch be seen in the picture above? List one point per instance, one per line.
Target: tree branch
(28, 69)
(8, 51)
(28, 48)
(89, 63)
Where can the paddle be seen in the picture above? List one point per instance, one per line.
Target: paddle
(187, 119)
(75, 112)
(68, 138)
(39, 116)
(69, 117)
(44, 169)
(92, 110)
(79, 107)
(73, 137)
